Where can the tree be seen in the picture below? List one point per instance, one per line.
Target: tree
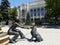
(28, 20)
(38, 21)
(13, 13)
(1, 17)
(4, 10)
(53, 11)
(0, 14)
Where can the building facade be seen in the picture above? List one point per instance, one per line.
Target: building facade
(36, 10)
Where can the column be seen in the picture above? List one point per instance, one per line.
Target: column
(20, 14)
(33, 15)
(44, 11)
(33, 18)
(25, 14)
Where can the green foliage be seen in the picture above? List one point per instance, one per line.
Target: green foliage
(13, 13)
(1, 17)
(28, 20)
(38, 21)
(53, 9)
(5, 6)
(4, 10)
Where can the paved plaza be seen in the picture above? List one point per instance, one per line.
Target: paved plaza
(51, 36)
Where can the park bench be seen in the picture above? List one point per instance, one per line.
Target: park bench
(4, 38)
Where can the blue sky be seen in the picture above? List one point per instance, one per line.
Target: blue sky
(19, 2)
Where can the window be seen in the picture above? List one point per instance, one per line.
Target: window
(42, 11)
(31, 12)
(38, 12)
(34, 12)
(23, 13)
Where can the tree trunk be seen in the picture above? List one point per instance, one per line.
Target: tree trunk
(7, 22)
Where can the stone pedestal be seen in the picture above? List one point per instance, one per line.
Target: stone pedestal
(4, 38)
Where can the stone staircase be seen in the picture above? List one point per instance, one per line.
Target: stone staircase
(4, 38)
